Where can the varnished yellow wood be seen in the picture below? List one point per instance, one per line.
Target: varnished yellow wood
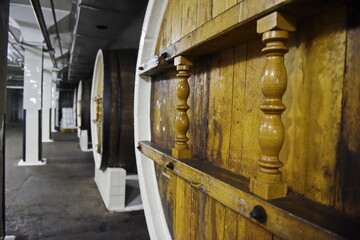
(230, 224)
(234, 193)
(220, 108)
(253, 97)
(176, 19)
(189, 10)
(312, 118)
(275, 21)
(209, 27)
(165, 34)
(181, 149)
(314, 96)
(181, 210)
(268, 183)
(310, 172)
(236, 150)
(203, 14)
(99, 109)
(220, 6)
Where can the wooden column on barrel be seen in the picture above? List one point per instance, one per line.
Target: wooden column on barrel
(275, 31)
(181, 149)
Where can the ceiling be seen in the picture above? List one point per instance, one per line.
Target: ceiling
(84, 27)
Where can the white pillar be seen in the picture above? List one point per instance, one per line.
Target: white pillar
(57, 110)
(46, 99)
(54, 100)
(32, 106)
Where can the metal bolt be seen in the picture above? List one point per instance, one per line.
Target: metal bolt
(170, 166)
(258, 213)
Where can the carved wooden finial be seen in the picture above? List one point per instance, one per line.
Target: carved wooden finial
(181, 150)
(268, 183)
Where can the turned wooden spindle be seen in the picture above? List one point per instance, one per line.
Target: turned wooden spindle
(268, 183)
(181, 149)
(99, 107)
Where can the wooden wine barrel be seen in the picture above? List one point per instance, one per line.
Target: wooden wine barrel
(83, 107)
(112, 109)
(247, 119)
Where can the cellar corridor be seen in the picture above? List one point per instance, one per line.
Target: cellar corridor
(60, 200)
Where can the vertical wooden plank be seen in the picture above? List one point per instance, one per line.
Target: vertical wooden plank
(238, 109)
(169, 114)
(167, 189)
(220, 107)
(248, 230)
(195, 209)
(207, 221)
(314, 107)
(187, 211)
(199, 104)
(214, 219)
(204, 11)
(253, 97)
(189, 11)
(220, 6)
(348, 155)
(163, 104)
(155, 111)
(220, 214)
(181, 211)
(230, 224)
(176, 16)
(164, 38)
(192, 112)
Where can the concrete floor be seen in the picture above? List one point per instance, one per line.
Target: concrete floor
(60, 200)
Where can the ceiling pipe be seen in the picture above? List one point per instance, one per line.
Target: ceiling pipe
(56, 27)
(41, 22)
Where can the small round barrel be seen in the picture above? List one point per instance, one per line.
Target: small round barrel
(112, 109)
(83, 107)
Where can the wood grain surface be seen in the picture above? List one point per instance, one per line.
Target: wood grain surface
(321, 148)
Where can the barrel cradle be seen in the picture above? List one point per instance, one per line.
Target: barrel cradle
(250, 130)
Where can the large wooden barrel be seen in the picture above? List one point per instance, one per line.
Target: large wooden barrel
(83, 107)
(220, 156)
(112, 109)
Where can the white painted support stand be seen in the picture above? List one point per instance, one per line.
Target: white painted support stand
(54, 104)
(112, 187)
(46, 99)
(9, 237)
(32, 104)
(23, 163)
(57, 119)
(84, 141)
